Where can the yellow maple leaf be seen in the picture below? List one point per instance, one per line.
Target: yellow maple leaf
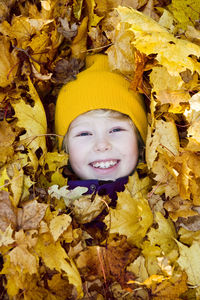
(78, 46)
(150, 37)
(131, 217)
(185, 12)
(164, 236)
(139, 269)
(16, 173)
(121, 53)
(6, 236)
(55, 257)
(33, 119)
(21, 257)
(193, 117)
(163, 139)
(59, 224)
(94, 19)
(189, 260)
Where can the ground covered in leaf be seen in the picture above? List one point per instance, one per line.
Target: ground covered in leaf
(57, 244)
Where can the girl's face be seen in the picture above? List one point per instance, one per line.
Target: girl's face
(102, 148)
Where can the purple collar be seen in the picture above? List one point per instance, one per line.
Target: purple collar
(109, 188)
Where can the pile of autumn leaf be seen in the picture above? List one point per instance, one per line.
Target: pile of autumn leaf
(58, 244)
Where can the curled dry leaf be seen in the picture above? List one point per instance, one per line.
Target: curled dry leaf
(87, 208)
(66, 70)
(178, 207)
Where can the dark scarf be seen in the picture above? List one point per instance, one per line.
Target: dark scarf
(101, 187)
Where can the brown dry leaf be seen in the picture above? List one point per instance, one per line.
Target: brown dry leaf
(191, 223)
(31, 214)
(139, 269)
(98, 39)
(8, 134)
(8, 64)
(7, 212)
(111, 260)
(66, 70)
(137, 81)
(172, 288)
(87, 208)
(150, 11)
(104, 6)
(156, 203)
(178, 207)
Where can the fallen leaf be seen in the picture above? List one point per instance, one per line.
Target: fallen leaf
(172, 288)
(178, 207)
(189, 261)
(7, 212)
(33, 119)
(67, 195)
(78, 46)
(158, 141)
(21, 257)
(31, 214)
(6, 237)
(185, 12)
(87, 208)
(100, 262)
(55, 257)
(164, 236)
(150, 37)
(131, 217)
(139, 269)
(9, 63)
(59, 224)
(66, 70)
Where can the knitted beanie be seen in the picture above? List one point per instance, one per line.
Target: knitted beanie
(98, 88)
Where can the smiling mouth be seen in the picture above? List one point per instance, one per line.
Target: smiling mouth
(104, 164)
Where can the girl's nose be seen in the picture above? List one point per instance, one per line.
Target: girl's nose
(102, 145)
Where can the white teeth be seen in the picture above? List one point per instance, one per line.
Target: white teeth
(104, 165)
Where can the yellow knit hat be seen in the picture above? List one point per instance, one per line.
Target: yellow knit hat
(98, 88)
